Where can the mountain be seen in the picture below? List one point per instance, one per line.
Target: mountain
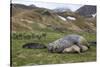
(22, 6)
(62, 10)
(35, 19)
(87, 10)
(17, 8)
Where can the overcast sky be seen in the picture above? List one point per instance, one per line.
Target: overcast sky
(49, 5)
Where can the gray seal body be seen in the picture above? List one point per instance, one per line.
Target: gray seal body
(66, 42)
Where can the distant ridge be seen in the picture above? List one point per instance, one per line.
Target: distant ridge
(23, 6)
(87, 10)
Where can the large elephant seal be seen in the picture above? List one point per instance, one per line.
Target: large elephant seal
(75, 48)
(72, 49)
(67, 42)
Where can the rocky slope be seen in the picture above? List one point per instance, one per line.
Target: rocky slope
(87, 10)
(33, 19)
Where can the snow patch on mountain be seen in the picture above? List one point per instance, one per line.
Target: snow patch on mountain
(71, 18)
(62, 18)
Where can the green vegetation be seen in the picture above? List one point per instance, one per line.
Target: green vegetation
(21, 56)
(40, 25)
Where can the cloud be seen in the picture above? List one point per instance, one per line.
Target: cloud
(49, 5)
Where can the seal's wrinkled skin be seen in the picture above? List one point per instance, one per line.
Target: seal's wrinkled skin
(68, 42)
(72, 49)
(84, 48)
(75, 48)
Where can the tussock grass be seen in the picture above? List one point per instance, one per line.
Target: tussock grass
(23, 57)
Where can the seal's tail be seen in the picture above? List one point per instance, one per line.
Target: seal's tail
(34, 46)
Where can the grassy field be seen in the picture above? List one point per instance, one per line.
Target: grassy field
(23, 57)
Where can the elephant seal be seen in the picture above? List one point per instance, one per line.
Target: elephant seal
(75, 48)
(72, 49)
(34, 46)
(67, 41)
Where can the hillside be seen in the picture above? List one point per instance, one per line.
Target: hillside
(33, 19)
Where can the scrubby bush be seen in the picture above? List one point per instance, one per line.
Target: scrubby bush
(23, 36)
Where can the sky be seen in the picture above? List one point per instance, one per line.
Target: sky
(49, 5)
